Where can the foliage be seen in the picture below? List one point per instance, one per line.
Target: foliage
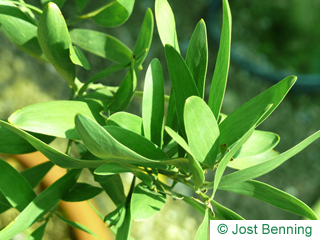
(193, 138)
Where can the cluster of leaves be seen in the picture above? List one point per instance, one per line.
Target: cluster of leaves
(193, 138)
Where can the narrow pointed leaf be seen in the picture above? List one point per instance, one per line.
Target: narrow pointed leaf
(220, 76)
(197, 205)
(78, 226)
(145, 37)
(145, 202)
(183, 85)
(197, 56)
(242, 163)
(55, 42)
(203, 230)
(101, 44)
(123, 232)
(15, 187)
(202, 130)
(243, 118)
(78, 58)
(126, 120)
(166, 24)
(124, 95)
(114, 13)
(81, 192)
(226, 213)
(265, 167)
(56, 118)
(41, 205)
(115, 168)
(35, 174)
(259, 142)
(273, 196)
(20, 29)
(153, 103)
(38, 233)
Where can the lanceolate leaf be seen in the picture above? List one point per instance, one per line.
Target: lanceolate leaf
(20, 29)
(145, 202)
(38, 233)
(273, 196)
(81, 192)
(113, 14)
(226, 213)
(35, 174)
(202, 130)
(55, 42)
(56, 118)
(14, 187)
(126, 120)
(219, 79)
(182, 81)
(197, 56)
(41, 205)
(78, 58)
(243, 118)
(153, 103)
(101, 44)
(115, 168)
(145, 37)
(203, 231)
(265, 167)
(166, 24)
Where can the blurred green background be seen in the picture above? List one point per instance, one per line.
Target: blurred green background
(282, 34)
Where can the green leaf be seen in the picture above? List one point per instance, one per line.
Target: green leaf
(35, 174)
(20, 29)
(166, 24)
(78, 226)
(196, 205)
(38, 233)
(127, 121)
(203, 230)
(182, 81)
(145, 202)
(11, 143)
(226, 213)
(259, 142)
(124, 95)
(113, 186)
(113, 14)
(195, 168)
(58, 2)
(272, 196)
(55, 42)
(243, 118)
(78, 58)
(220, 76)
(81, 4)
(81, 192)
(56, 118)
(14, 187)
(145, 37)
(265, 167)
(115, 168)
(116, 143)
(153, 103)
(197, 56)
(101, 44)
(116, 217)
(55, 156)
(202, 130)
(123, 232)
(242, 163)
(41, 205)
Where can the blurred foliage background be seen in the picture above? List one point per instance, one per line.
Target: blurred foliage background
(280, 33)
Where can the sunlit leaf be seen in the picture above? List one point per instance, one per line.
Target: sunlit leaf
(226, 213)
(58, 2)
(203, 230)
(78, 58)
(126, 120)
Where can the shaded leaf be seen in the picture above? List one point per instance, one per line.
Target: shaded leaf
(81, 192)
(41, 205)
(273, 196)
(78, 58)
(59, 120)
(115, 168)
(220, 76)
(101, 44)
(38, 233)
(116, 217)
(55, 42)
(35, 174)
(14, 187)
(81, 4)
(203, 230)
(153, 103)
(226, 213)
(145, 202)
(197, 56)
